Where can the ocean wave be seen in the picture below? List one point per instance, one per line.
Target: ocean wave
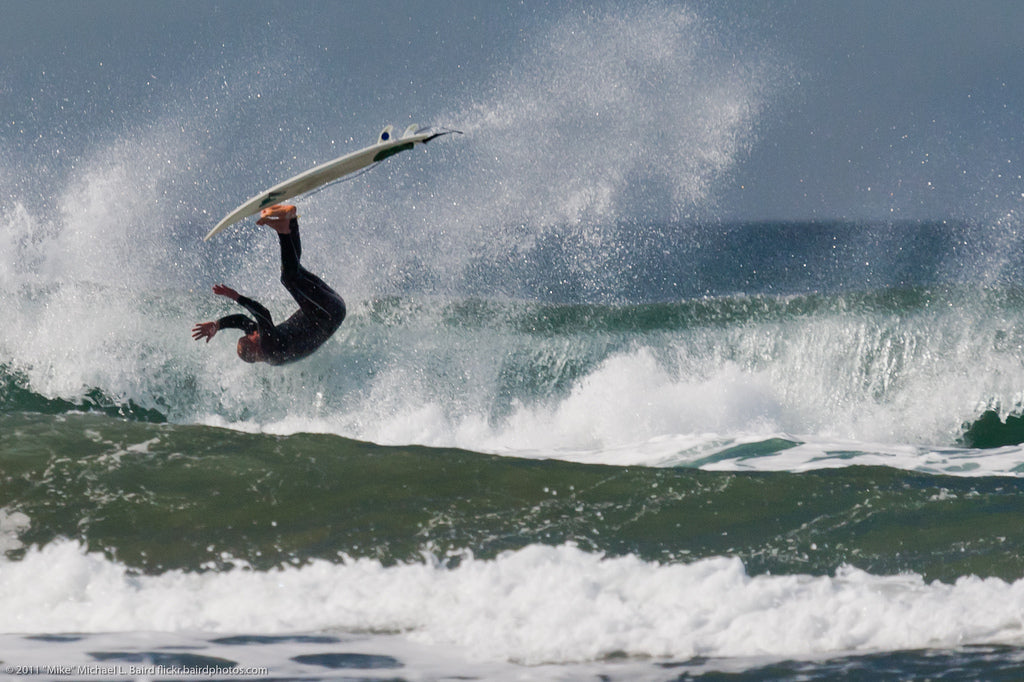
(535, 605)
(165, 497)
(885, 368)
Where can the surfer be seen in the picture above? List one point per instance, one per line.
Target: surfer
(321, 309)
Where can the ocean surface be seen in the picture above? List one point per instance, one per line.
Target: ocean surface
(575, 427)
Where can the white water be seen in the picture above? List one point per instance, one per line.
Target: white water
(536, 605)
(847, 389)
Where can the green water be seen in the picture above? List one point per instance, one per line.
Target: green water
(161, 496)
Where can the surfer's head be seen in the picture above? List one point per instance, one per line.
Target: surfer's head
(249, 348)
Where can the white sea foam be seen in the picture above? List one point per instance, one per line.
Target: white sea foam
(12, 523)
(655, 407)
(536, 605)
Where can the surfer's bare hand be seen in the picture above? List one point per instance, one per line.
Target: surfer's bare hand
(205, 330)
(222, 290)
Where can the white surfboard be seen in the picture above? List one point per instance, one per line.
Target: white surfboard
(387, 145)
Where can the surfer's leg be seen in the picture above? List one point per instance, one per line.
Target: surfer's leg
(315, 298)
(291, 251)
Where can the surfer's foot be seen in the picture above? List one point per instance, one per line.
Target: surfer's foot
(279, 217)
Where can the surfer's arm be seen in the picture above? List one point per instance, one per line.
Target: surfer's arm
(207, 330)
(261, 314)
(236, 322)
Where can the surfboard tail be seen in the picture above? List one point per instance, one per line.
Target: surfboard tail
(435, 133)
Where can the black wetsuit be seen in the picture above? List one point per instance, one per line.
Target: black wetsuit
(321, 310)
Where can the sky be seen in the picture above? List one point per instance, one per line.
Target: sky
(876, 109)
(910, 108)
